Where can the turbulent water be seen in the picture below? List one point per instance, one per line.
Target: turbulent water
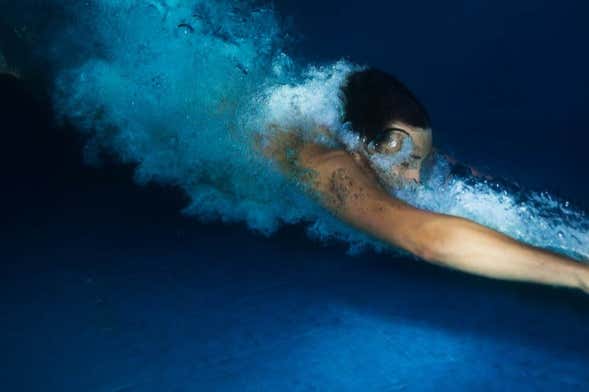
(181, 88)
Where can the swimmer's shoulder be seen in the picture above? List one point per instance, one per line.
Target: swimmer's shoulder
(330, 164)
(320, 163)
(318, 156)
(314, 155)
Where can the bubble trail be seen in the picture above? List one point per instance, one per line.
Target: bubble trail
(180, 88)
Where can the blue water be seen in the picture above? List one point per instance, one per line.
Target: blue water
(108, 287)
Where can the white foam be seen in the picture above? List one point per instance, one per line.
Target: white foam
(181, 87)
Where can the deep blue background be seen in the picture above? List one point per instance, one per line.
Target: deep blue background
(106, 287)
(506, 82)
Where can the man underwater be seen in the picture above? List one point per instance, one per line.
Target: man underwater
(392, 123)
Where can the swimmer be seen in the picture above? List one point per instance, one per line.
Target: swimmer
(391, 122)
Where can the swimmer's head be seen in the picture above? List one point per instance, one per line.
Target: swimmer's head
(393, 125)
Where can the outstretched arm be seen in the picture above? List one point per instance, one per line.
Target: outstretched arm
(351, 192)
(473, 248)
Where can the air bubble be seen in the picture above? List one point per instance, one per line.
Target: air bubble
(183, 97)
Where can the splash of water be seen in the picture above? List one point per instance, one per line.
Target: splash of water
(537, 218)
(180, 87)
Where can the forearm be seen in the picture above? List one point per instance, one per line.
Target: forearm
(473, 248)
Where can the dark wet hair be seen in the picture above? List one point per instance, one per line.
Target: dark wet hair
(373, 98)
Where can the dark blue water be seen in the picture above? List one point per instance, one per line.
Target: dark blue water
(106, 287)
(505, 82)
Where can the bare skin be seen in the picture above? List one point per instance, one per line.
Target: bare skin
(346, 185)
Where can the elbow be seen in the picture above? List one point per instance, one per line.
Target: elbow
(427, 252)
(434, 241)
(422, 246)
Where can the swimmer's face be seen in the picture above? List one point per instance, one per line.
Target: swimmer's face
(412, 144)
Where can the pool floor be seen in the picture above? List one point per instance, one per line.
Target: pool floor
(105, 295)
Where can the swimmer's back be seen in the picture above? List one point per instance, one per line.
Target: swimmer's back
(348, 187)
